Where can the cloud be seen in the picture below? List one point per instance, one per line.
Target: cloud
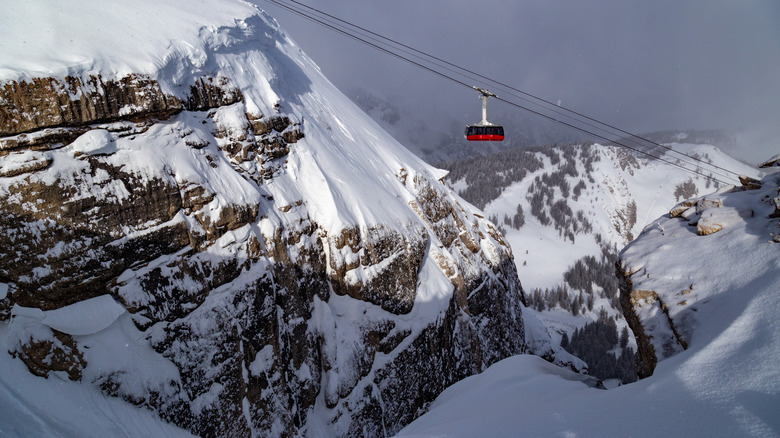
(642, 66)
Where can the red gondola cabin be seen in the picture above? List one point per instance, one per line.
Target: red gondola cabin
(484, 133)
(484, 130)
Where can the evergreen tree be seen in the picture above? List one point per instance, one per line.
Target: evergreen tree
(519, 219)
(575, 307)
(624, 337)
(594, 343)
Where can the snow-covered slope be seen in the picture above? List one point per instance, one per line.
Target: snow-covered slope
(557, 205)
(726, 383)
(613, 181)
(567, 210)
(667, 291)
(195, 221)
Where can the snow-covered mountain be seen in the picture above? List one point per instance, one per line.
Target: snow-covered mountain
(701, 283)
(567, 211)
(197, 226)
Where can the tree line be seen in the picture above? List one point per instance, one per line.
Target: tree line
(597, 344)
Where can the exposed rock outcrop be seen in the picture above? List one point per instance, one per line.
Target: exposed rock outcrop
(245, 296)
(243, 279)
(660, 295)
(49, 102)
(28, 106)
(772, 162)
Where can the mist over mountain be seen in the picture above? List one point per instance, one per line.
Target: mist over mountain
(438, 143)
(648, 67)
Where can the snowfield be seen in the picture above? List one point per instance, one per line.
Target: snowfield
(111, 41)
(57, 407)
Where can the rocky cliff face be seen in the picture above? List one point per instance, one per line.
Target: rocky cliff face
(239, 260)
(662, 295)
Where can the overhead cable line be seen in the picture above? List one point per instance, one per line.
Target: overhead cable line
(332, 23)
(341, 30)
(365, 41)
(630, 135)
(552, 105)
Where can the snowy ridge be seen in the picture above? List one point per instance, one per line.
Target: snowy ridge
(734, 221)
(283, 263)
(114, 41)
(175, 54)
(364, 154)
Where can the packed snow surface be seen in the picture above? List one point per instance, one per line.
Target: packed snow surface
(127, 37)
(32, 406)
(83, 318)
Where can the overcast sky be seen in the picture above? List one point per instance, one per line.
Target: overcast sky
(639, 65)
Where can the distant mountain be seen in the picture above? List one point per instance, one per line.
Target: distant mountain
(723, 139)
(567, 211)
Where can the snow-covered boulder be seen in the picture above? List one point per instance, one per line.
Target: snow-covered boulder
(664, 289)
(772, 162)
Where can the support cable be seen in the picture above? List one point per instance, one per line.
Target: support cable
(332, 22)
